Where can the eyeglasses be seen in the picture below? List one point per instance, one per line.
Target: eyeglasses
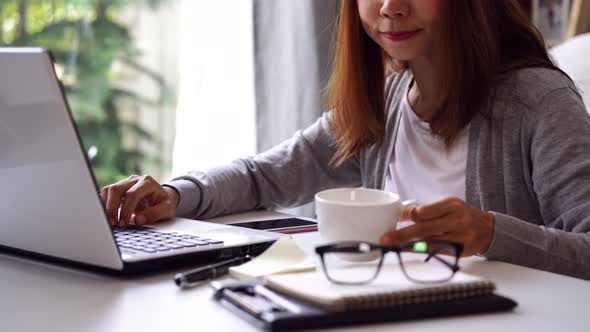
(355, 263)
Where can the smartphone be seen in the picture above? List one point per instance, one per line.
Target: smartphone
(283, 225)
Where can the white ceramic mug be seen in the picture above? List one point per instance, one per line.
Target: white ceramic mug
(357, 214)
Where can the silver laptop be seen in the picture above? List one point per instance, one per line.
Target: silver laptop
(49, 202)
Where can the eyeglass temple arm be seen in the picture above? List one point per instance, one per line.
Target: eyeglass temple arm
(453, 267)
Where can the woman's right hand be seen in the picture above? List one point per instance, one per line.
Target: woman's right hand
(142, 200)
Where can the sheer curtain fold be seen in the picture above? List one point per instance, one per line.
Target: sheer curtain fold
(215, 113)
(292, 49)
(250, 82)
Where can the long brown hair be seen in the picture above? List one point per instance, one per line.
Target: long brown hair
(485, 38)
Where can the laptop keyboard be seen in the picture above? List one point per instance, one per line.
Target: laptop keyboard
(148, 240)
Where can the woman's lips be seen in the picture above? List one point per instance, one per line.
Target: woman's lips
(400, 35)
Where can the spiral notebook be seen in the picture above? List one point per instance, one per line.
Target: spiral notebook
(391, 288)
(272, 310)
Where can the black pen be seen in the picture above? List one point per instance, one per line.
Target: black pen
(194, 277)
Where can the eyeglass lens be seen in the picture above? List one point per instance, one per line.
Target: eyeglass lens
(356, 264)
(428, 262)
(422, 262)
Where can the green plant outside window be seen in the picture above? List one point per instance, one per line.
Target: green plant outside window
(91, 48)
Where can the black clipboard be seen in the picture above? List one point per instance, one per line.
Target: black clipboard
(270, 310)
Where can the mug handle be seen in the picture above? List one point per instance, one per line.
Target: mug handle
(411, 203)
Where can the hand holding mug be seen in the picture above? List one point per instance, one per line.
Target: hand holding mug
(142, 201)
(450, 219)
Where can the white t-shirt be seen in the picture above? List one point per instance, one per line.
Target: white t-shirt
(421, 168)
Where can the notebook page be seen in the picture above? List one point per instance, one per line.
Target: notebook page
(390, 282)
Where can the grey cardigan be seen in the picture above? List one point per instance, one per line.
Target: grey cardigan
(529, 163)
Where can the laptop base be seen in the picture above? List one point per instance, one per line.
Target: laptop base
(142, 268)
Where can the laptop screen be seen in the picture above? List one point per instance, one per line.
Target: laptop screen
(50, 203)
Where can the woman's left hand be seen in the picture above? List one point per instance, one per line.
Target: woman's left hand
(450, 219)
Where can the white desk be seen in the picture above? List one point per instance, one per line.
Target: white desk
(40, 297)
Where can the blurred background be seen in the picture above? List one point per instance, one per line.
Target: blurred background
(165, 86)
(140, 75)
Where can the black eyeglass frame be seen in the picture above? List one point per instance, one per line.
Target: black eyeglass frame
(353, 247)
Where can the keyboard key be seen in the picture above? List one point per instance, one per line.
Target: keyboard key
(186, 244)
(148, 240)
(128, 251)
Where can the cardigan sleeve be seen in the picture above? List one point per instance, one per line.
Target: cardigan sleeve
(287, 175)
(558, 134)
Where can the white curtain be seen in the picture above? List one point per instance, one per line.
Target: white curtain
(293, 46)
(155, 34)
(215, 120)
(251, 74)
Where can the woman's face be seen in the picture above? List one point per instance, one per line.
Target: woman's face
(405, 29)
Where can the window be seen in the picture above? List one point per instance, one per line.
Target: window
(216, 121)
(127, 65)
(95, 56)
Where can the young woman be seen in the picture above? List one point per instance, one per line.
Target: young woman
(454, 103)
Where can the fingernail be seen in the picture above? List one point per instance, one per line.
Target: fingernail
(139, 219)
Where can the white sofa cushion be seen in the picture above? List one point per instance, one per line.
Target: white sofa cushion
(573, 57)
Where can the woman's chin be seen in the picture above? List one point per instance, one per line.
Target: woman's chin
(403, 54)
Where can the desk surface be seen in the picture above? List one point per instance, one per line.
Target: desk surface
(41, 297)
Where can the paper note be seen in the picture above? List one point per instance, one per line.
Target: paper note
(284, 256)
